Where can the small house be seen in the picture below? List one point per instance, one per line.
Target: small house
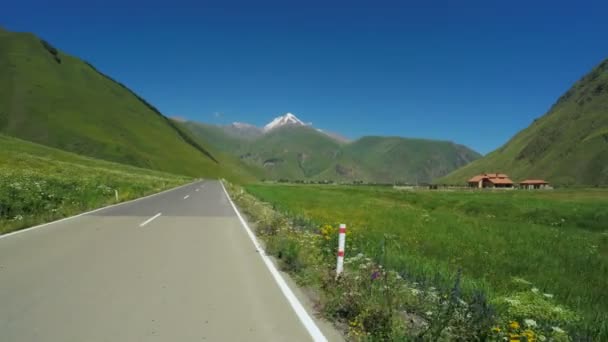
(531, 184)
(491, 180)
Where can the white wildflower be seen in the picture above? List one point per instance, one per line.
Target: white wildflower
(521, 281)
(512, 301)
(558, 330)
(429, 313)
(530, 323)
(535, 290)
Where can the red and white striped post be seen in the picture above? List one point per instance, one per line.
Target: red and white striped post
(341, 243)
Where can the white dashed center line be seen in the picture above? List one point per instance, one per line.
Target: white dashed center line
(186, 197)
(150, 220)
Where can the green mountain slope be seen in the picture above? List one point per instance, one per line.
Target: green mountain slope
(217, 137)
(57, 100)
(399, 160)
(566, 146)
(303, 153)
(232, 165)
(292, 152)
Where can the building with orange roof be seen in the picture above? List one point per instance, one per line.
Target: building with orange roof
(531, 184)
(491, 180)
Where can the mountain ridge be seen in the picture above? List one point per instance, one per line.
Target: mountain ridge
(302, 152)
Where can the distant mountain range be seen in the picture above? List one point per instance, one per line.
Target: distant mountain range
(288, 148)
(566, 146)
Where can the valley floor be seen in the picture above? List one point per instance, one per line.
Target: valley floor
(539, 255)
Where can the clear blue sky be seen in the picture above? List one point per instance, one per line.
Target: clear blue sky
(474, 72)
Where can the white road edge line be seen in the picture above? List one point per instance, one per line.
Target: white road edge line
(196, 190)
(150, 219)
(92, 211)
(302, 314)
(186, 197)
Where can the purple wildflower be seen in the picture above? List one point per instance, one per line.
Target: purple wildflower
(375, 275)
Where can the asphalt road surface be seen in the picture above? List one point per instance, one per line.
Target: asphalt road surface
(126, 273)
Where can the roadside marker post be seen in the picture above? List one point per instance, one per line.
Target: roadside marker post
(116, 194)
(341, 243)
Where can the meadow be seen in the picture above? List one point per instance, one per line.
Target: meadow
(40, 184)
(537, 256)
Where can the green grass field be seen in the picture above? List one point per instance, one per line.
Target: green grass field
(555, 240)
(40, 184)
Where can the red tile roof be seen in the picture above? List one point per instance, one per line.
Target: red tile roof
(491, 177)
(476, 179)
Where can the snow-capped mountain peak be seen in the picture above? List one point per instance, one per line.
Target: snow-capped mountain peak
(287, 119)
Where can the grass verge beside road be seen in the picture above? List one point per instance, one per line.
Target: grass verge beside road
(519, 263)
(40, 184)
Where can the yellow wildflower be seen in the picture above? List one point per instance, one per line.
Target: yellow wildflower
(327, 231)
(514, 338)
(514, 325)
(496, 330)
(530, 337)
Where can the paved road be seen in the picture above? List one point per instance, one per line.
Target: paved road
(190, 274)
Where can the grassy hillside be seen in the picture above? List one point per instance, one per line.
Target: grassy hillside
(217, 137)
(40, 184)
(567, 146)
(398, 159)
(232, 167)
(292, 152)
(302, 153)
(58, 100)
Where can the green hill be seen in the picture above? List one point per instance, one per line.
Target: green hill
(292, 152)
(217, 137)
(233, 167)
(566, 146)
(398, 159)
(303, 153)
(54, 99)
